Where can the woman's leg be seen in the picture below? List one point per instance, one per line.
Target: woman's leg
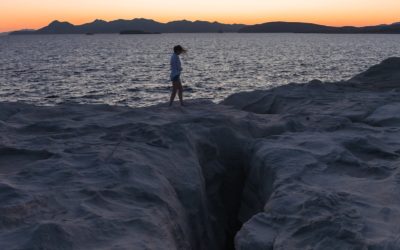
(180, 92)
(173, 94)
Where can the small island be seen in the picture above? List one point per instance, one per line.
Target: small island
(137, 32)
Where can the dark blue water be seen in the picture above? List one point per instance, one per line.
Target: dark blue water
(134, 70)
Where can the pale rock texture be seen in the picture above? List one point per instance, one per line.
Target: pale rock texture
(302, 166)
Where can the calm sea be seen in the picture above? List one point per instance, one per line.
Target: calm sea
(134, 69)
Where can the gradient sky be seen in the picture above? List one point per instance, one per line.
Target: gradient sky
(19, 14)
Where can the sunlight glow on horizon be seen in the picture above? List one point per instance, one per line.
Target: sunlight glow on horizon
(34, 14)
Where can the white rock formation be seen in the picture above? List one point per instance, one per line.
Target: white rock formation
(302, 166)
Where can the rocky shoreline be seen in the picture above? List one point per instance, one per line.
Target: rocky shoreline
(301, 166)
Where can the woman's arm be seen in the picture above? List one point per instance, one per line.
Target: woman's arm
(175, 69)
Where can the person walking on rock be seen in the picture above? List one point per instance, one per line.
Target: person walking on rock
(176, 69)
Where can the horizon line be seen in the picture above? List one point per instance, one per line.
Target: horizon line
(188, 20)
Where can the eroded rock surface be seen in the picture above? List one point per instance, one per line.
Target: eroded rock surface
(302, 166)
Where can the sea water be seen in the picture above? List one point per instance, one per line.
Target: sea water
(134, 69)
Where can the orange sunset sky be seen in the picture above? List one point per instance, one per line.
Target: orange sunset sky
(33, 14)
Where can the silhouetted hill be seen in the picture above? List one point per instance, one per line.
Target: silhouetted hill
(57, 27)
(201, 26)
(293, 27)
(24, 31)
(147, 25)
(184, 26)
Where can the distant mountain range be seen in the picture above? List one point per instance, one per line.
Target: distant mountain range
(293, 27)
(138, 24)
(148, 25)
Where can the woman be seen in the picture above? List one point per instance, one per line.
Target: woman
(176, 70)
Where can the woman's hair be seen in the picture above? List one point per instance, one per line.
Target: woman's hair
(179, 48)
